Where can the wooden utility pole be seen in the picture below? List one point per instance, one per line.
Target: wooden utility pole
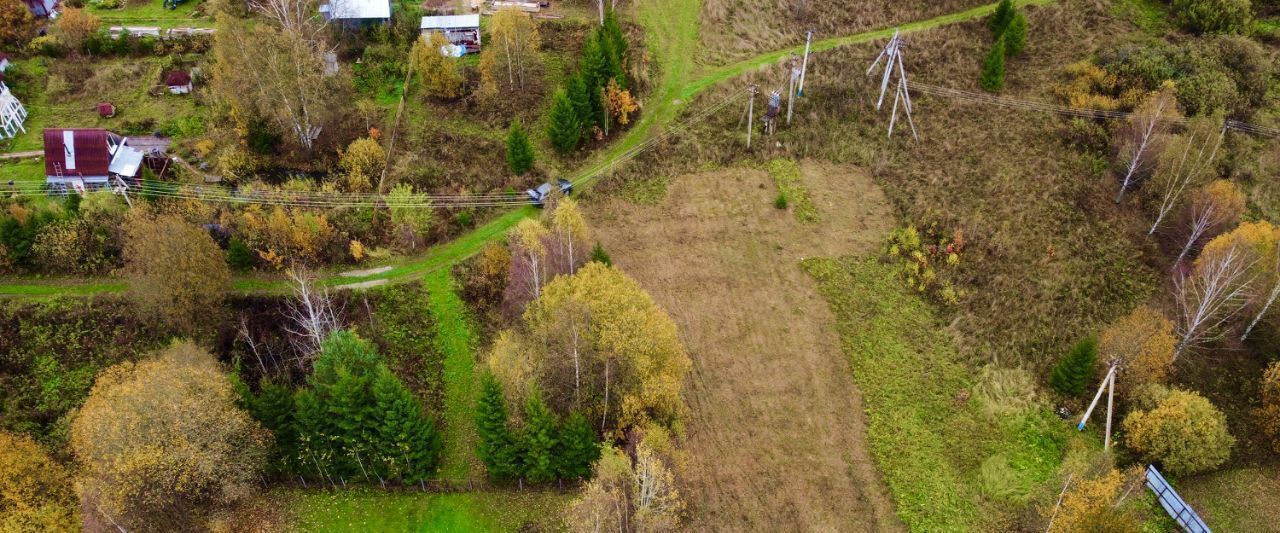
(750, 113)
(804, 64)
(1111, 400)
(791, 87)
(1107, 382)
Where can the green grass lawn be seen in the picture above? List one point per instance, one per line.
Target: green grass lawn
(375, 511)
(950, 465)
(455, 338)
(24, 170)
(189, 14)
(123, 82)
(1239, 499)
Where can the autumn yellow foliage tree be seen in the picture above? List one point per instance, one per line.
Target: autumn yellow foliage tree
(176, 272)
(510, 53)
(1091, 506)
(362, 159)
(620, 103)
(630, 496)
(161, 442)
(1143, 343)
(17, 25)
(1178, 428)
(1213, 209)
(35, 490)
(282, 236)
(75, 26)
(439, 74)
(1268, 414)
(597, 343)
(1262, 239)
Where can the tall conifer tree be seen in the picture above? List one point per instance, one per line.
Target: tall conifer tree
(563, 128)
(540, 441)
(496, 446)
(578, 449)
(408, 442)
(519, 150)
(993, 68)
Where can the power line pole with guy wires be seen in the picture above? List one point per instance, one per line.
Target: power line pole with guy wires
(751, 103)
(892, 54)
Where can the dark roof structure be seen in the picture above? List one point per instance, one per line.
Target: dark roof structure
(76, 152)
(177, 78)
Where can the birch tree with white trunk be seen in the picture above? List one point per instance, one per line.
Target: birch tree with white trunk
(1142, 137)
(279, 73)
(1186, 161)
(1212, 293)
(311, 316)
(1212, 209)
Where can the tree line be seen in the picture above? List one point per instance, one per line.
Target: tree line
(354, 419)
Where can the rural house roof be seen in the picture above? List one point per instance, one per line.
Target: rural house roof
(450, 22)
(358, 9)
(77, 152)
(177, 78)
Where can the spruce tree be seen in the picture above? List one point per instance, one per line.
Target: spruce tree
(599, 255)
(274, 408)
(1072, 374)
(312, 425)
(618, 41)
(563, 127)
(239, 256)
(407, 443)
(578, 449)
(581, 99)
(612, 68)
(1001, 18)
(1015, 36)
(993, 68)
(496, 446)
(343, 384)
(519, 150)
(595, 72)
(540, 440)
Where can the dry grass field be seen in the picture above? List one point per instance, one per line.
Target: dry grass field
(1050, 256)
(775, 432)
(735, 29)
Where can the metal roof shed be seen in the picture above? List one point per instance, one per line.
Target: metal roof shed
(461, 30)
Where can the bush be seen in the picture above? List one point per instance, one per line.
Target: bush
(781, 201)
(1071, 376)
(1213, 16)
(1178, 428)
(1206, 93)
(239, 256)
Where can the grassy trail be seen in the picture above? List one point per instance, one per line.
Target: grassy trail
(456, 340)
(672, 33)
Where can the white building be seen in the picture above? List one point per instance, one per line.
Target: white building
(357, 12)
(12, 114)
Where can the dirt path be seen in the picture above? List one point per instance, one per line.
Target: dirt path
(776, 428)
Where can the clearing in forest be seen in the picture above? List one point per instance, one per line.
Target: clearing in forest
(775, 431)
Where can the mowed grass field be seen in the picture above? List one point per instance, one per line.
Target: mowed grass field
(473, 512)
(775, 425)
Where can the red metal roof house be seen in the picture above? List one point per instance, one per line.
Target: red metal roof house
(85, 158)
